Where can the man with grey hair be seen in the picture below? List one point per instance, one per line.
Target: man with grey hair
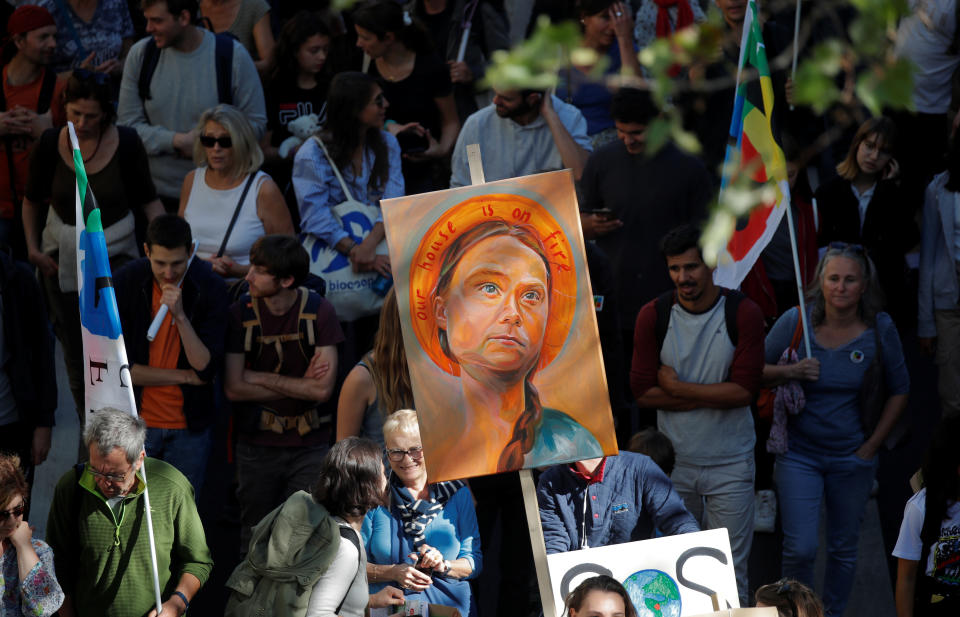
(97, 527)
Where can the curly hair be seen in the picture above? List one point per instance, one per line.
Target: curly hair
(351, 478)
(12, 482)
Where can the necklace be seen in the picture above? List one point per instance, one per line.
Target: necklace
(95, 150)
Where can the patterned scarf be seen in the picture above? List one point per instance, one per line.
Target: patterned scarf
(416, 514)
(684, 16)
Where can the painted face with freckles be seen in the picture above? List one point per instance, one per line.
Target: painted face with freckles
(495, 309)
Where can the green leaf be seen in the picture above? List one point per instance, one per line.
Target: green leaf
(889, 86)
(658, 134)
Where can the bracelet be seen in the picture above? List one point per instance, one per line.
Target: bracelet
(186, 603)
(352, 246)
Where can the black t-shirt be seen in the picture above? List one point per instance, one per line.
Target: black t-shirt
(412, 99)
(287, 101)
(438, 26)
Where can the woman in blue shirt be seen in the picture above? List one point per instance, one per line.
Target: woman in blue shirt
(832, 442)
(365, 155)
(427, 541)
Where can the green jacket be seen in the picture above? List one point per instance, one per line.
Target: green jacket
(289, 551)
(103, 560)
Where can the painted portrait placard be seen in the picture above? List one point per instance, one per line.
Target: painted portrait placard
(672, 576)
(499, 326)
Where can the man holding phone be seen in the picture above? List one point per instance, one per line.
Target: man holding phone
(632, 198)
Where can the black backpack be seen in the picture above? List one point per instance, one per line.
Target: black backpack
(665, 301)
(223, 55)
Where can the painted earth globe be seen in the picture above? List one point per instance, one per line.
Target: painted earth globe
(653, 593)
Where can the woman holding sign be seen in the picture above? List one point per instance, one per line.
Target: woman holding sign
(428, 540)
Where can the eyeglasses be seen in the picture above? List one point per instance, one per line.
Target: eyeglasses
(109, 477)
(208, 141)
(416, 453)
(14, 512)
(380, 100)
(101, 79)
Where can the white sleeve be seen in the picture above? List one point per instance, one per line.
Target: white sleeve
(909, 546)
(334, 584)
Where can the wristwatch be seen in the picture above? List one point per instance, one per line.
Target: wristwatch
(446, 566)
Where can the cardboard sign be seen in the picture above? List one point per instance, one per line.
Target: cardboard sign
(499, 326)
(672, 576)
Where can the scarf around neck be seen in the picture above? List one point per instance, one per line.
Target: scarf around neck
(416, 514)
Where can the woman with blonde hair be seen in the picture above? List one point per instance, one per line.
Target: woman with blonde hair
(427, 541)
(28, 584)
(227, 188)
(379, 384)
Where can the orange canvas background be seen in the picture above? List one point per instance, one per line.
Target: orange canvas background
(573, 380)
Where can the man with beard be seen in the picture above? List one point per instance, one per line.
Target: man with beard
(697, 360)
(522, 132)
(281, 363)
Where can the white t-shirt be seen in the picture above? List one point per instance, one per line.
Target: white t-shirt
(344, 581)
(945, 552)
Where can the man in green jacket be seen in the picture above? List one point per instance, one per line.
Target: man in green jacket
(97, 527)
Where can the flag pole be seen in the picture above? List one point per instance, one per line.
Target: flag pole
(125, 378)
(796, 271)
(796, 42)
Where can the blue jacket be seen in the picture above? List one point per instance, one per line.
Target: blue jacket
(634, 497)
(453, 532)
(205, 302)
(938, 275)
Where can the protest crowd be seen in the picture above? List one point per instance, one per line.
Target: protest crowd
(277, 431)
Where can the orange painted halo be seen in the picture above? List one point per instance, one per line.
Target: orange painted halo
(513, 210)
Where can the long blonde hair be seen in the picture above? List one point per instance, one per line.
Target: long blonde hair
(389, 361)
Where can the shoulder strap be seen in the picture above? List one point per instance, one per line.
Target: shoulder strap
(308, 321)
(224, 63)
(797, 331)
(250, 320)
(730, 307)
(663, 305)
(46, 91)
(350, 534)
(151, 57)
(336, 170)
(236, 213)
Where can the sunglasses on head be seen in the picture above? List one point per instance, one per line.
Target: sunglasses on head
(208, 141)
(843, 246)
(14, 512)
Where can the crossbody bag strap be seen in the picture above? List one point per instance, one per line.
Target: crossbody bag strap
(351, 535)
(8, 147)
(236, 213)
(336, 170)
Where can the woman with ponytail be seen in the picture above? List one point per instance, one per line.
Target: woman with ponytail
(427, 541)
(491, 318)
(931, 524)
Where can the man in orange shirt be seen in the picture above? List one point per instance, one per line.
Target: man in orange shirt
(173, 374)
(29, 90)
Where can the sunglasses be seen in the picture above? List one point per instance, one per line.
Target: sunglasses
(416, 453)
(14, 512)
(380, 100)
(100, 79)
(208, 141)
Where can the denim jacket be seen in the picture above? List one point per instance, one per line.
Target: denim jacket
(938, 275)
(633, 498)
